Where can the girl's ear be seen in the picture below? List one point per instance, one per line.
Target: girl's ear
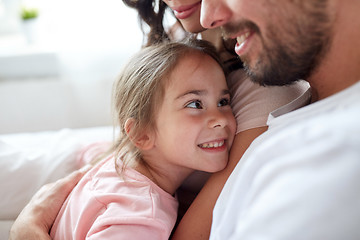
(144, 141)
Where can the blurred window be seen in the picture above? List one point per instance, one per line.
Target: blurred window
(9, 16)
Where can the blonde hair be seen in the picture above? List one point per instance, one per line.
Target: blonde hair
(139, 91)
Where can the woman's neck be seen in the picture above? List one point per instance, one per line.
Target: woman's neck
(214, 36)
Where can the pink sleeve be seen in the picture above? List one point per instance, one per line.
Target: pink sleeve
(252, 103)
(141, 211)
(134, 229)
(124, 221)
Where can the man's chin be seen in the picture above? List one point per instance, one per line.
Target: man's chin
(254, 74)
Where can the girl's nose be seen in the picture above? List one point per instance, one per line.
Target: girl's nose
(214, 13)
(217, 119)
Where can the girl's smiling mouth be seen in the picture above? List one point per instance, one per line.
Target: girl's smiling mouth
(213, 144)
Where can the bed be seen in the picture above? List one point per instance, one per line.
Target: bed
(29, 160)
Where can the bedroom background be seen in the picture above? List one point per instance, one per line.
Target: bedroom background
(63, 78)
(55, 89)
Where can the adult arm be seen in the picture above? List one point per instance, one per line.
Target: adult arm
(35, 220)
(196, 222)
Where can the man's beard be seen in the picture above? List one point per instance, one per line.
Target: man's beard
(294, 55)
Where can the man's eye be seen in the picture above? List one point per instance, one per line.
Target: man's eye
(194, 104)
(224, 102)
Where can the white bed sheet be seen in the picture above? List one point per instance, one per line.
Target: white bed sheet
(30, 160)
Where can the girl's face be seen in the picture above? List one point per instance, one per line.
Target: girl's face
(188, 13)
(195, 124)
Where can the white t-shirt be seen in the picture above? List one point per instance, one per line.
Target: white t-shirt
(300, 179)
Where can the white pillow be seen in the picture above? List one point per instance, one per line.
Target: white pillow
(30, 160)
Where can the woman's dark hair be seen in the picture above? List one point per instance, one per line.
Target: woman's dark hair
(151, 12)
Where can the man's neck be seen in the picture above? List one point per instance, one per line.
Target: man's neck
(339, 68)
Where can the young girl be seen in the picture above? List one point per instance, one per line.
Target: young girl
(172, 105)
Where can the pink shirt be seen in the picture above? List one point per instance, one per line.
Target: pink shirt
(106, 206)
(252, 103)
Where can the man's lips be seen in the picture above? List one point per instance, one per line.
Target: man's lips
(183, 12)
(242, 38)
(242, 42)
(243, 32)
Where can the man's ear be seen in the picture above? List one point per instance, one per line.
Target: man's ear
(144, 141)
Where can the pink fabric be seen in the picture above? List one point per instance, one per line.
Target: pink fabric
(252, 103)
(88, 153)
(106, 206)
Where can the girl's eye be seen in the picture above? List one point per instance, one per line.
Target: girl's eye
(224, 102)
(194, 104)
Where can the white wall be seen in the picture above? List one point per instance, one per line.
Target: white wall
(79, 50)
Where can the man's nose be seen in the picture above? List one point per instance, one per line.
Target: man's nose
(214, 13)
